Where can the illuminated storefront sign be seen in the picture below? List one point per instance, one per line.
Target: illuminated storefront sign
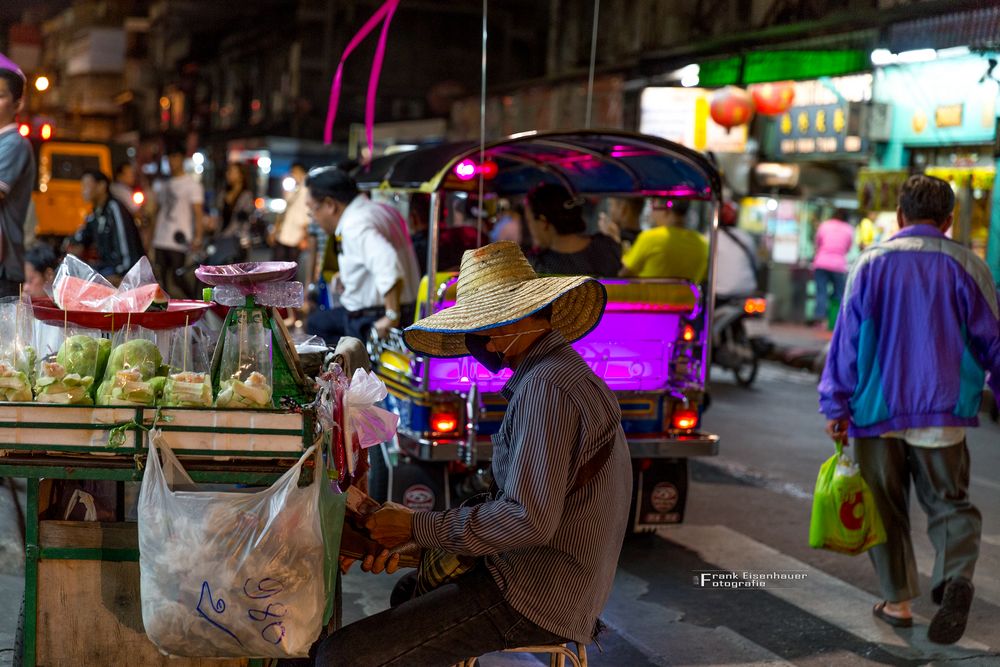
(827, 118)
(682, 115)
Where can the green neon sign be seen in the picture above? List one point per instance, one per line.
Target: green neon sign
(764, 66)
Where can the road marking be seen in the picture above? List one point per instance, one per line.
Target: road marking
(825, 597)
(985, 482)
(755, 477)
(658, 633)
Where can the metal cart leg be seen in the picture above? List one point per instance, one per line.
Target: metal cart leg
(31, 553)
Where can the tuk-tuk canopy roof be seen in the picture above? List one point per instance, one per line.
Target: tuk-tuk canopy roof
(588, 162)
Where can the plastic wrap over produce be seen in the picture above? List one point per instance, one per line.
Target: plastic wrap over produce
(77, 286)
(229, 574)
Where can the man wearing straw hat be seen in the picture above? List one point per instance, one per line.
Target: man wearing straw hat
(546, 545)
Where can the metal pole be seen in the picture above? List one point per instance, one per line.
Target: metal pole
(482, 133)
(709, 295)
(593, 63)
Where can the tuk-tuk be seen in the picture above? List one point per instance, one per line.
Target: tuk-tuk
(652, 346)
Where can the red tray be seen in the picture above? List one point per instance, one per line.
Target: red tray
(246, 273)
(179, 313)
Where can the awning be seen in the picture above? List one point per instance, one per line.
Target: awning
(979, 28)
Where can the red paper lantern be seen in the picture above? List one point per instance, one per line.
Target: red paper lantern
(731, 106)
(773, 99)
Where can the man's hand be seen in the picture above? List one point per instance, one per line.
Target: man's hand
(392, 525)
(382, 326)
(837, 430)
(383, 562)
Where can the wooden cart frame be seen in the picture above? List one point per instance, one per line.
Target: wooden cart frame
(72, 442)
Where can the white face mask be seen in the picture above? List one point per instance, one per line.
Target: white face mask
(516, 336)
(492, 360)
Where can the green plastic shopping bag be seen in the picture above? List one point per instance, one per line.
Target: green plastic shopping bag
(844, 516)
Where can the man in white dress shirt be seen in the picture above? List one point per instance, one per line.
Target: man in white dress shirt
(378, 271)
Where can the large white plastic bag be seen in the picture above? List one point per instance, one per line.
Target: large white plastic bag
(229, 574)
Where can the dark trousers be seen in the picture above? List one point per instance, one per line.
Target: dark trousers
(466, 618)
(9, 288)
(337, 322)
(824, 281)
(285, 253)
(941, 479)
(334, 323)
(168, 263)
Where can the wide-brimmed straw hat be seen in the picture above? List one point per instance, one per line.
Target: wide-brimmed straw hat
(497, 286)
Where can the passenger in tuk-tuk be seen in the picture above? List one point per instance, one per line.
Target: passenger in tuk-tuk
(555, 219)
(378, 268)
(539, 555)
(669, 249)
(622, 221)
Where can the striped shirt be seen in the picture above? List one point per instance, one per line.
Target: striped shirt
(553, 555)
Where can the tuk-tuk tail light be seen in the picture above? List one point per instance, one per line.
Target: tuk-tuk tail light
(444, 423)
(446, 419)
(685, 419)
(688, 333)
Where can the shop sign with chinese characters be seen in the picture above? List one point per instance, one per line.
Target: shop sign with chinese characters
(819, 129)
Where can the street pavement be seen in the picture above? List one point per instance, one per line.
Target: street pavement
(748, 510)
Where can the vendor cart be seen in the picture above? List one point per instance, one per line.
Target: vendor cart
(81, 594)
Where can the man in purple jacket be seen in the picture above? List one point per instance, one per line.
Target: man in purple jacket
(918, 330)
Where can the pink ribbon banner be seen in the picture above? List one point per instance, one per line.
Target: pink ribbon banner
(382, 15)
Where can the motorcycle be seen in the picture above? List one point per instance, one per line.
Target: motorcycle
(739, 326)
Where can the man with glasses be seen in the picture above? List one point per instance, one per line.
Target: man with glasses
(378, 275)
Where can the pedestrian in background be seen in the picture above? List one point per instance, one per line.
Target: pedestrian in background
(917, 332)
(123, 187)
(834, 238)
(109, 230)
(291, 230)
(40, 264)
(179, 225)
(17, 174)
(378, 269)
(736, 257)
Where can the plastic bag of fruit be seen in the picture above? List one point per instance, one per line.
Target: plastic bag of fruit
(68, 369)
(189, 366)
(135, 374)
(245, 369)
(17, 354)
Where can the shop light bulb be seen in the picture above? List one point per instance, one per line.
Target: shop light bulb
(689, 75)
(198, 158)
(883, 57)
(772, 204)
(917, 56)
(288, 184)
(42, 83)
(265, 165)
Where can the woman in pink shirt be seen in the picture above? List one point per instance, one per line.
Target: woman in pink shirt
(833, 241)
